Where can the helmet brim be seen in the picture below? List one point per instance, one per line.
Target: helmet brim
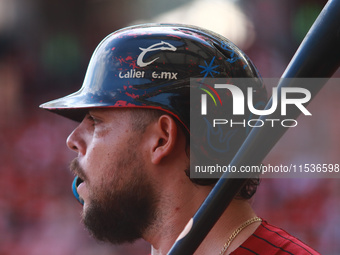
(74, 106)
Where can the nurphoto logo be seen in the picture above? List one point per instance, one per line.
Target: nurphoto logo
(238, 99)
(287, 96)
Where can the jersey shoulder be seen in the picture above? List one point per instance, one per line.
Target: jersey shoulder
(269, 239)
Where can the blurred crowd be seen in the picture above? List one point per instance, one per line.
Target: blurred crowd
(45, 47)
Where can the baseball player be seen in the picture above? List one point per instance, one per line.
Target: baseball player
(133, 142)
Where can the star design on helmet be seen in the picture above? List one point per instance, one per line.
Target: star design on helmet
(209, 69)
(232, 59)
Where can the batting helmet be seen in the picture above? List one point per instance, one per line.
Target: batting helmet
(149, 66)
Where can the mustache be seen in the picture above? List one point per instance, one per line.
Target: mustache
(77, 170)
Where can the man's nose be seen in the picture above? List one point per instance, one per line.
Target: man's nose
(75, 141)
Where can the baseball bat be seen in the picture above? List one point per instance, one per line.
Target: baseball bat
(317, 56)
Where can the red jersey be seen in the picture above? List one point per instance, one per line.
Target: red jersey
(268, 239)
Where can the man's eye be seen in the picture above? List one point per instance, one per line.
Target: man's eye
(92, 119)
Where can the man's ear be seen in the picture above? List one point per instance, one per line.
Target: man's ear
(163, 138)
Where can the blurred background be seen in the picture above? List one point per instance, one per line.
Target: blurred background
(45, 47)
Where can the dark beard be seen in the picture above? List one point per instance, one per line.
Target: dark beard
(125, 210)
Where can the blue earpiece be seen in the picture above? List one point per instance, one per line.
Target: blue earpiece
(75, 184)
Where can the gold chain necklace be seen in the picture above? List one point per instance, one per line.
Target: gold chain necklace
(237, 231)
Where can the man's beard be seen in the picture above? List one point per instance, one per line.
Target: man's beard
(122, 209)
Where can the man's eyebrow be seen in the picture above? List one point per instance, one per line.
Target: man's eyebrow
(101, 112)
(96, 110)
